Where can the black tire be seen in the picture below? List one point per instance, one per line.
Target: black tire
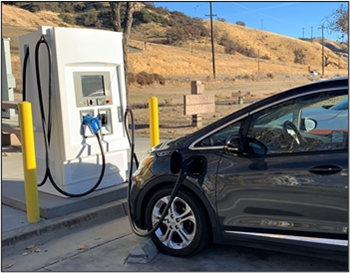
(193, 223)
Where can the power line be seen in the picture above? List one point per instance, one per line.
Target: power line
(195, 7)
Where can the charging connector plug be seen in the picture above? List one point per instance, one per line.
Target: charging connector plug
(92, 123)
(104, 121)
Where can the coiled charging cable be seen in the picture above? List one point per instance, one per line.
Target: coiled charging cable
(47, 128)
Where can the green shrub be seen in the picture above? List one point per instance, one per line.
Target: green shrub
(240, 23)
(67, 18)
(66, 6)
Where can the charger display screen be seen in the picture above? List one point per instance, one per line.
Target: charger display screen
(93, 86)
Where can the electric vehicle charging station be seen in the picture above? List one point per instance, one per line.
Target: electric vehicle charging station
(8, 81)
(87, 80)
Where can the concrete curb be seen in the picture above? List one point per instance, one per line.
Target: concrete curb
(45, 231)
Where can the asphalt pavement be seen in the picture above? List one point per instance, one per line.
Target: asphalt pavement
(105, 247)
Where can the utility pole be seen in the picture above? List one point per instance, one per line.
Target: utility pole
(212, 37)
(258, 60)
(261, 24)
(311, 33)
(322, 49)
(303, 32)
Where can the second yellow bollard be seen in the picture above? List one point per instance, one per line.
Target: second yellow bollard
(153, 121)
(29, 162)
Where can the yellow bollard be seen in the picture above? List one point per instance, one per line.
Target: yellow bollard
(153, 121)
(29, 163)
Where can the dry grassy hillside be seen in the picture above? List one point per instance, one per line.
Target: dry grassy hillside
(192, 60)
(14, 16)
(277, 47)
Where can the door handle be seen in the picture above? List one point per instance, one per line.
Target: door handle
(325, 169)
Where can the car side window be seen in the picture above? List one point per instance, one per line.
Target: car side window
(317, 122)
(219, 138)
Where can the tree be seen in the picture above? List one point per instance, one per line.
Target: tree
(240, 23)
(124, 27)
(339, 20)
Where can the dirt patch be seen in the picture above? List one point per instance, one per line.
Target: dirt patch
(172, 121)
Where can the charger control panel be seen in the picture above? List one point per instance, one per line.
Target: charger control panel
(92, 88)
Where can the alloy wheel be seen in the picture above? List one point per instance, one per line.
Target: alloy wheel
(178, 228)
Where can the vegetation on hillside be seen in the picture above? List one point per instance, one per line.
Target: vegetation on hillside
(241, 52)
(179, 27)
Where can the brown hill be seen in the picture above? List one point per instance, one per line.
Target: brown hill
(192, 60)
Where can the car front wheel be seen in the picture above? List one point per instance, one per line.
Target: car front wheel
(184, 230)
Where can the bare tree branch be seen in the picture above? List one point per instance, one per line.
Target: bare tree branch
(115, 7)
(117, 26)
(339, 20)
(130, 6)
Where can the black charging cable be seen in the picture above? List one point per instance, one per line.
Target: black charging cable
(47, 129)
(24, 76)
(185, 166)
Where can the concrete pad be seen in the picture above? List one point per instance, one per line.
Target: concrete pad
(51, 206)
(62, 214)
(143, 253)
(44, 231)
(13, 218)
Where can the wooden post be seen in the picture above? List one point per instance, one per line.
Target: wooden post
(198, 103)
(197, 88)
(240, 96)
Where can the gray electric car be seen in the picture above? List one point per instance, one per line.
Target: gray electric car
(276, 176)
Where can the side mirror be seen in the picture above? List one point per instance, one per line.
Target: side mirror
(233, 143)
(308, 124)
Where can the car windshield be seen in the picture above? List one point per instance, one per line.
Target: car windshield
(341, 105)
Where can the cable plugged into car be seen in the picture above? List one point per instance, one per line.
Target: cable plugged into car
(194, 166)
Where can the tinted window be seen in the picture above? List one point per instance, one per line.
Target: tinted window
(341, 105)
(302, 125)
(219, 138)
